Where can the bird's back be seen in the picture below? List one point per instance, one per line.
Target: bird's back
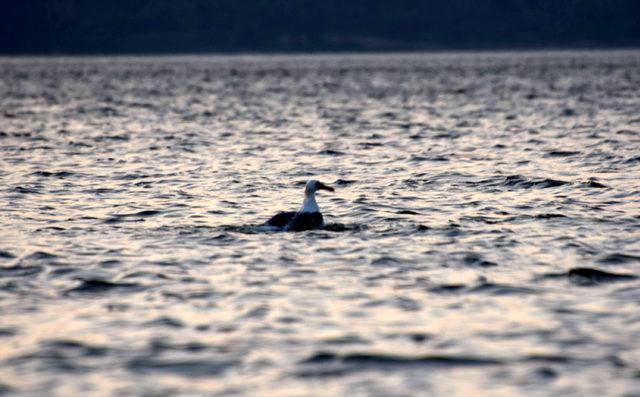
(305, 221)
(281, 219)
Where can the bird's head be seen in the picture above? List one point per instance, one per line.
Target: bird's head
(312, 186)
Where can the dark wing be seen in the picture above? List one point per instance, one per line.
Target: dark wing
(281, 219)
(305, 221)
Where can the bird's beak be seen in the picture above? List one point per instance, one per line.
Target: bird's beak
(322, 186)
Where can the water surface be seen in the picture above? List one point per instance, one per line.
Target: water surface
(484, 239)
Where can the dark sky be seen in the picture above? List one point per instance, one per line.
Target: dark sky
(167, 26)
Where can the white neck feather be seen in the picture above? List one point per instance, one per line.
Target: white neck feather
(309, 204)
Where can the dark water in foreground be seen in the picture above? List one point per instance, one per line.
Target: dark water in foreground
(485, 238)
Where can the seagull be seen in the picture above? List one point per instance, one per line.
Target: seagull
(307, 217)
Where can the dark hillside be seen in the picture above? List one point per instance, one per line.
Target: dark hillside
(165, 26)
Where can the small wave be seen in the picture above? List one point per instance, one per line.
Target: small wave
(119, 219)
(562, 153)
(81, 348)
(447, 288)
(62, 272)
(144, 213)
(385, 260)
(190, 295)
(407, 212)
(387, 360)
(97, 286)
(368, 145)
(26, 190)
(549, 216)
(49, 174)
(617, 259)
(582, 274)
(117, 138)
(585, 276)
(343, 182)
(6, 389)
(248, 229)
(132, 217)
(221, 238)
(497, 289)
(519, 182)
(329, 227)
(40, 256)
(435, 158)
(627, 132)
(330, 152)
(346, 340)
(6, 332)
(6, 255)
(449, 135)
(473, 259)
(130, 177)
(525, 183)
(49, 228)
(592, 183)
(20, 271)
(164, 322)
(632, 160)
(548, 358)
(343, 227)
(485, 287)
(187, 368)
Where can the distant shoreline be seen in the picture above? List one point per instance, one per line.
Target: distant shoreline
(277, 53)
